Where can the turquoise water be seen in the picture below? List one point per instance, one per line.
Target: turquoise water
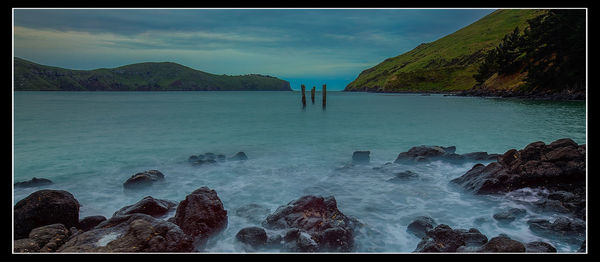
(89, 143)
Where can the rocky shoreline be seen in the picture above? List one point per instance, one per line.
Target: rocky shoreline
(564, 95)
(48, 220)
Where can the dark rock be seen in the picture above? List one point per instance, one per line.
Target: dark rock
(210, 156)
(572, 230)
(539, 247)
(131, 233)
(420, 226)
(204, 162)
(239, 156)
(221, 158)
(479, 156)
(34, 182)
(430, 153)
(507, 216)
(253, 212)
(90, 222)
(143, 179)
(193, 159)
(45, 207)
(361, 157)
(253, 236)
(502, 243)
(43, 239)
(149, 206)
(403, 176)
(201, 215)
(318, 220)
(445, 239)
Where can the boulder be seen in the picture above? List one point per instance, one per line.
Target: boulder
(45, 207)
(34, 182)
(502, 243)
(143, 179)
(420, 226)
(445, 239)
(539, 247)
(320, 225)
(131, 233)
(238, 157)
(568, 229)
(43, 239)
(253, 236)
(149, 206)
(361, 157)
(201, 215)
(90, 222)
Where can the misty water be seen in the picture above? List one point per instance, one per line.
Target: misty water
(89, 143)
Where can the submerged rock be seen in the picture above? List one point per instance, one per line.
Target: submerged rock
(403, 177)
(143, 179)
(430, 153)
(445, 239)
(420, 226)
(149, 206)
(572, 230)
(45, 207)
(239, 157)
(34, 182)
(507, 216)
(316, 225)
(131, 233)
(361, 157)
(201, 215)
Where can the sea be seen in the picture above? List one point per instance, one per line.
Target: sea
(90, 143)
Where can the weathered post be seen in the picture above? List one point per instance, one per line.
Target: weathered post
(303, 96)
(312, 95)
(324, 95)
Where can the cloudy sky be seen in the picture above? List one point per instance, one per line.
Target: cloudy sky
(310, 46)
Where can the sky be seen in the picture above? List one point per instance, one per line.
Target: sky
(303, 46)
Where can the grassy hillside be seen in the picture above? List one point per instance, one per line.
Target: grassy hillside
(136, 77)
(448, 64)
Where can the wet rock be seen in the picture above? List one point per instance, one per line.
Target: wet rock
(131, 233)
(149, 206)
(34, 182)
(425, 152)
(539, 247)
(201, 215)
(90, 222)
(420, 226)
(502, 244)
(253, 212)
(480, 156)
(193, 158)
(43, 239)
(563, 228)
(204, 162)
(238, 157)
(221, 158)
(45, 207)
(507, 216)
(253, 236)
(318, 220)
(361, 157)
(143, 179)
(445, 239)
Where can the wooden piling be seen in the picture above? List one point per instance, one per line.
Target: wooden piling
(303, 95)
(312, 95)
(324, 95)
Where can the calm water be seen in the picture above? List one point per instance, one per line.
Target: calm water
(89, 143)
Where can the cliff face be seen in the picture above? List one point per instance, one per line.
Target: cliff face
(136, 77)
(446, 65)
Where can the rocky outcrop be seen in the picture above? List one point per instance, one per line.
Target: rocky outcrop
(90, 222)
(34, 182)
(567, 229)
(45, 207)
(502, 243)
(361, 157)
(547, 95)
(131, 233)
(320, 225)
(558, 167)
(143, 179)
(423, 154)
(43, 239)
(253, 236)
(201, 215)
(149, 206)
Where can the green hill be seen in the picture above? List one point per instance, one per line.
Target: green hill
(163, 76)
(447, 64)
